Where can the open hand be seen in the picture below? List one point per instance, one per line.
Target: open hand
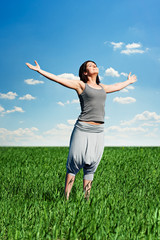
(35, 68)
(132, 78)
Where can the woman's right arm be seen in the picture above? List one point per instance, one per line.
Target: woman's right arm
(73, 84)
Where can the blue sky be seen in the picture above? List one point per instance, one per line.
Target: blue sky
(120, 36)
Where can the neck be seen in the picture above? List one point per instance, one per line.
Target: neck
(92, 79)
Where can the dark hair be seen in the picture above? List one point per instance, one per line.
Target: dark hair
(82, 69)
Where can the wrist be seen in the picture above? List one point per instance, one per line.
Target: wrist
(128, 80)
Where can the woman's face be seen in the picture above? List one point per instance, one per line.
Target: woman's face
(91, 69)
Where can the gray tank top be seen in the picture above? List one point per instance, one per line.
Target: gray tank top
(92, 103)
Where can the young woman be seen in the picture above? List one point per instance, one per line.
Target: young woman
(87, 139)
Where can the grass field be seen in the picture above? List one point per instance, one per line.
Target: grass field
(124, 202)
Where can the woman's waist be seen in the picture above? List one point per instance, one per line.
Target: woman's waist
(92, 122)
(89, 127)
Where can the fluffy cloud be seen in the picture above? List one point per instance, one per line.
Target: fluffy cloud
(27, 97)
(16, 109)
(124, 74)
(128, 88)
(9, 95)
(33, 82)
(132, 136)
(134, 48)
(63, 104)
(75, 101)
(130, 48)
(111, 72)
(1, 109)
(117, 45)
(148, 117)
(60, 103)
(127, 129)
(124, 100)
(132, 51)
(68, 102)
(58, 136)
(124, 90)
(69, 76)
(71, 121)
(114, 73)
(19, 137)
(133, 45)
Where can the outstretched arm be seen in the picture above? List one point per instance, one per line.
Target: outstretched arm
(119, 86)
(74, 84)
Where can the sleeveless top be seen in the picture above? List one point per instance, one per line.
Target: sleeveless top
(92, 103)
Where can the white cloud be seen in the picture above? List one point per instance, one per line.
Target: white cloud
(16, 109)
(117, 45)
(124, 100)
(133, 45)
(71, 121)
(33, 82)
(127, 129)
(9, 95)
(114, 73)
(100, 78)
(124, 90)
(63, 104)
(60, 103)
(133, 48)
(124, 74)
(132, 51)
(147, 125)
(1, 109)
(21, 137)
(149, 117)
(132, 136)
(130, 48)
(62, 126)
(69, 76)
(58, 136)
(111, 72)
(27, 97)
(130, 87)
(68, 102)
(60, 129)
(75, 101)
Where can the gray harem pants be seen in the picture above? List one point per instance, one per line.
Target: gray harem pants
(86, 149)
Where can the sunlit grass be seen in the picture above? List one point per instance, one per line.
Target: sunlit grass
(124, 202)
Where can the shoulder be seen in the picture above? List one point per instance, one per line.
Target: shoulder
(104, 86)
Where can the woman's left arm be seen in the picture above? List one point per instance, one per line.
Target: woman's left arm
(119, 86)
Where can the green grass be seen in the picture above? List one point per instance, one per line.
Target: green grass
(124, 202)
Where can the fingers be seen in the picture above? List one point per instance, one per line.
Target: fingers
(132, 78)
(28, 65)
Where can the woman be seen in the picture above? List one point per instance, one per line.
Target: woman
(87, 139)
